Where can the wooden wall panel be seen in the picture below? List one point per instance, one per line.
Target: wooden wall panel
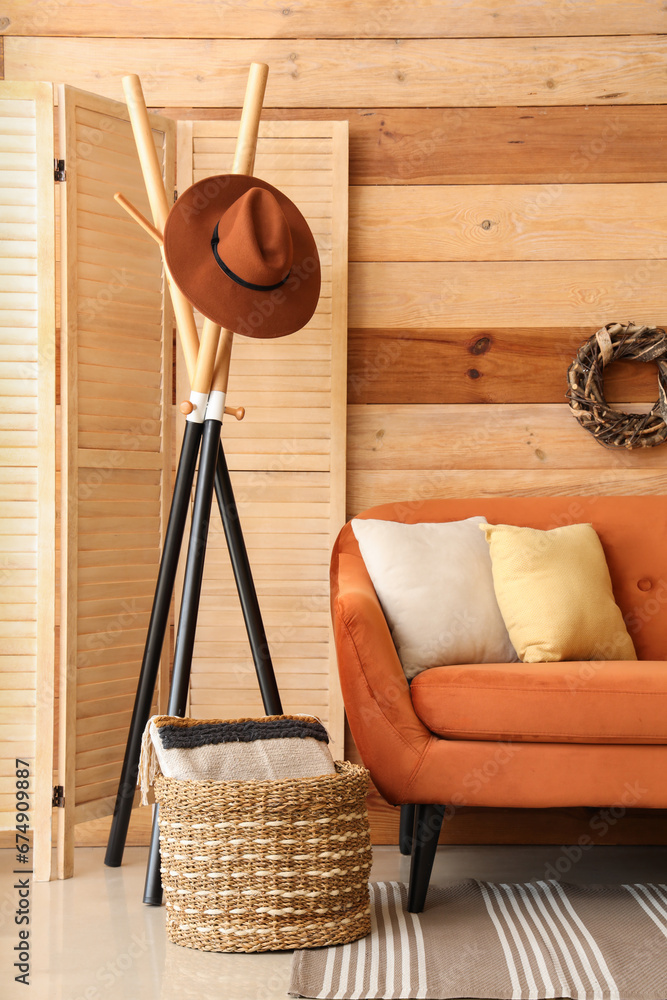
(320, 19)
(501, 145)
(507, 222)
(512, 436)
(485, 365)
(287, 457)
(367, 487)
(27, 456)
(440, 72)
(116, 399)
(506, 294)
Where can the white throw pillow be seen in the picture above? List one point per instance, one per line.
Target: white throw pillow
(435, 584)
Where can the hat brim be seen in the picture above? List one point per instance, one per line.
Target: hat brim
(192, 264)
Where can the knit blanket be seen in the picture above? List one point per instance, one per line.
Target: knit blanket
(270, 748)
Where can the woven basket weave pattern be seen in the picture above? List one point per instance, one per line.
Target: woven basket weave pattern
(266, 865)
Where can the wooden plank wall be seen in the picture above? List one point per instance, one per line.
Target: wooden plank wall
(507, 171)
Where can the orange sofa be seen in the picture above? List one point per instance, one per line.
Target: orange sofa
(536, 735)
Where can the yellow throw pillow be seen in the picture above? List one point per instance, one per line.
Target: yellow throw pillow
(554, 593)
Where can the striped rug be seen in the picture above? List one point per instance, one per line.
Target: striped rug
(500, 941)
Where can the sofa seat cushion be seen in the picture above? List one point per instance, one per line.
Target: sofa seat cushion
(577, 701)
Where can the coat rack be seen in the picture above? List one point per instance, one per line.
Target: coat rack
(208, 367)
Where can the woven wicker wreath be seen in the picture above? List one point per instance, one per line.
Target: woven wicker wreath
(611, 427)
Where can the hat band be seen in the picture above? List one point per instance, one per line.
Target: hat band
(235, 277)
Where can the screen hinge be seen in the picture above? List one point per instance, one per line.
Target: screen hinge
(58, 800)
(59, 170)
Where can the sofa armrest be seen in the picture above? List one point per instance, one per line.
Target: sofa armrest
(389, 736)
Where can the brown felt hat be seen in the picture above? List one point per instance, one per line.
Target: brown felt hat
(243, 254)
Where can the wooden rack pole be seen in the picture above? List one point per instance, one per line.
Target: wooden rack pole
(234, 411)
(244, 160)
(157, 197)
(246, 141)
(138, 217)
(244, 163)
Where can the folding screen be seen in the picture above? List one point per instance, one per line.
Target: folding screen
(287, 457)
(27, 455)
(116, 406)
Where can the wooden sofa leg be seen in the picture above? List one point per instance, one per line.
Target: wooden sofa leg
(406, 829)
(428, 821)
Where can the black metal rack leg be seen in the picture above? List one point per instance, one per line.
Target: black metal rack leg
(154, 641)
(187, 622)
(246, 587)
(192, 440)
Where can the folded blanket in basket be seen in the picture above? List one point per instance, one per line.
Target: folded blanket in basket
(269, 748)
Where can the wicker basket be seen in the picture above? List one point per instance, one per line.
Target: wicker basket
(266, 865)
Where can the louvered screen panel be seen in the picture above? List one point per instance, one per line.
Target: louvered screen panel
(27, 453)
(116, 406)
(287, 457)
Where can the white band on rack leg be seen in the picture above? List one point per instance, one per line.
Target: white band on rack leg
(216, 406)
(198, 400)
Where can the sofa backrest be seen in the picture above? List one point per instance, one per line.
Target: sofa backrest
(632, 529)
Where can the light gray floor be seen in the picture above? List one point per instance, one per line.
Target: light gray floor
(93, 939)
